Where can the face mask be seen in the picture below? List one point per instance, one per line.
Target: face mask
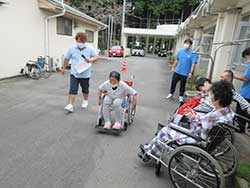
(186, 46)
(114, 86)
(81, 45)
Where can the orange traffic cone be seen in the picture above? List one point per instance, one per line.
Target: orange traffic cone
(124, 66)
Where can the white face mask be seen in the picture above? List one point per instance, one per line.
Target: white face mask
(81, 45)
(186, 46)
(114, 85)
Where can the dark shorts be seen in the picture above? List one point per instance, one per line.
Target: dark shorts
(74, 84)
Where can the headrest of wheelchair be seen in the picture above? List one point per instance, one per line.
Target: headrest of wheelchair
(115, 74)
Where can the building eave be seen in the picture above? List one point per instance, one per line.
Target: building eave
(55, 7)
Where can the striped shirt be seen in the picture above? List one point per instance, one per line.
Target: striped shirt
(240, 100)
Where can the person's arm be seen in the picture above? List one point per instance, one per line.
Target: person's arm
(244, 104)
(92, 59)
(65, 64)
(99, 97)
(102, 90)
(241, 77)
(194, 59)
(191, 73)
(174, 66)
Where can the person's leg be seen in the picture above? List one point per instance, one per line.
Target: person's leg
(117, 103)
(74, 82)
(175, 80)
(107, 101)
(183, 80)
(84, 82)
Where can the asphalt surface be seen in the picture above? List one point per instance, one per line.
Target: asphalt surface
(43, 147)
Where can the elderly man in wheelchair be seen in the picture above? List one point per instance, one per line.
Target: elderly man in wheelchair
(195, 155)
(114, 94)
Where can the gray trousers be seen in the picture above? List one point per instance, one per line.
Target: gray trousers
(117, 107)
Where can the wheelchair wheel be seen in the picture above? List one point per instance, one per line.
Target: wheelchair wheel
(227, 156)
(46, 72)
(35, 72)
(192, 167)
(157, 168)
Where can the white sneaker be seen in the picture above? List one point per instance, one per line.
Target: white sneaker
(169, 96)
(181, 99)
(69, 108)
(85, 104)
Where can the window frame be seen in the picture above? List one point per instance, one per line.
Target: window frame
(63, 19)
(88, 38)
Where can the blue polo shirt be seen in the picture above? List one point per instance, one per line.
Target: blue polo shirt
(245, 89)
(75, 55)
(185, 60)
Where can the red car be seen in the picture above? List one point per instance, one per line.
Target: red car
(116, 51)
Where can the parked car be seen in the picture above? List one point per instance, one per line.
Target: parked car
(137, 51)
(164, 53)
(116, 51)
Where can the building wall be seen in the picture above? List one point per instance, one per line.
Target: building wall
(22, 36)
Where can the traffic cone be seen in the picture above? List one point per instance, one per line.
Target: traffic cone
(124, 66)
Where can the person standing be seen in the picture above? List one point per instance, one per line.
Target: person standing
(77, 54)
(182, 69)
(245, 89)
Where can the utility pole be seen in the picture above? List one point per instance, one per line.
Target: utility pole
(108, 42)
(123, 21)
(111, 31)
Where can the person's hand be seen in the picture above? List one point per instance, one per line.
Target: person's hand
(172, 70)
(190, 112)
(62, 71)
(88, 60)
(190, 75)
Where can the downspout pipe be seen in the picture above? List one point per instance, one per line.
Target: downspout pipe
(46, 37)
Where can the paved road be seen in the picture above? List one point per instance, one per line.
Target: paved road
(42, 147)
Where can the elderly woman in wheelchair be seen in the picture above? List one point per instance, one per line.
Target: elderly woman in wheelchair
(184, 145)
(111, 95)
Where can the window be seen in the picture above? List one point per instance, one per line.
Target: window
(64, 26)
(90, 36)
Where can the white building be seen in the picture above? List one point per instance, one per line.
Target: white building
(215, 23)
(23, 32)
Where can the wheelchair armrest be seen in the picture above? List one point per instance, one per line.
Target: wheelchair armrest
(241, 117)
(182, 131)
(229, 126)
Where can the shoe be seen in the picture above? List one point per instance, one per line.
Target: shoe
(181, 99)
(117, 126)
(107, 125)
(69, 108)
(85, 104)
(169, 96)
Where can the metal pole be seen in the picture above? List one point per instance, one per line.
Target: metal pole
(108, 34)
(111, 31)
(123, 21)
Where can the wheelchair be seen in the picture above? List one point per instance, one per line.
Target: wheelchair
(128, 114)
(204, 164)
